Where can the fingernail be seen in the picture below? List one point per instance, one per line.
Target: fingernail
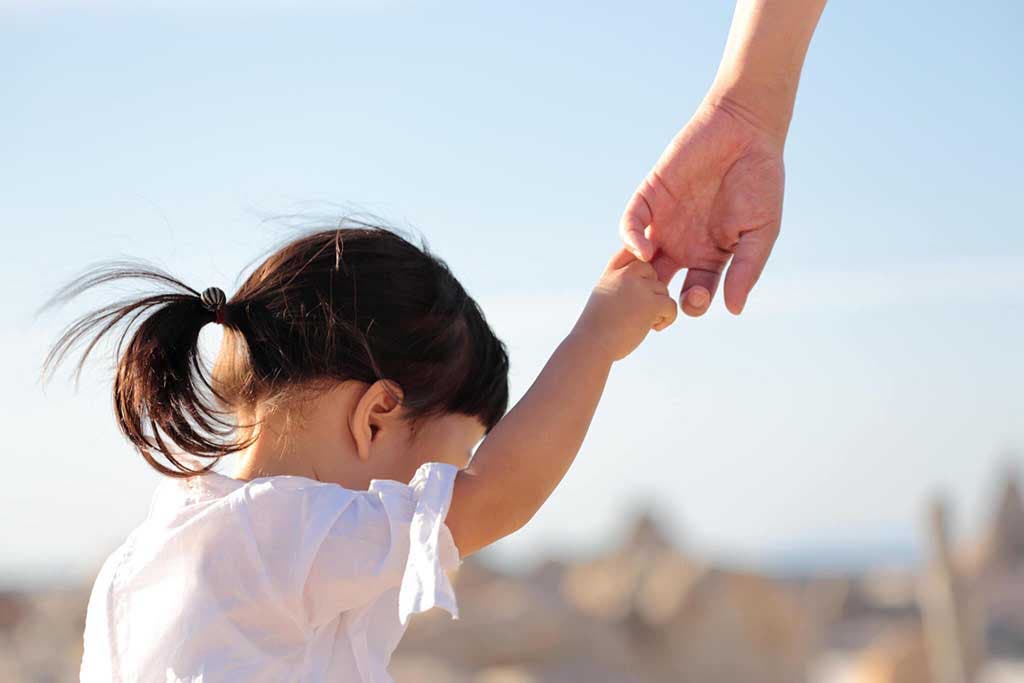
(697, 297)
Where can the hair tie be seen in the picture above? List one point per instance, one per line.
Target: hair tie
(213, 299)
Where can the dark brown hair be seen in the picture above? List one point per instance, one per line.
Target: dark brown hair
(355, 303)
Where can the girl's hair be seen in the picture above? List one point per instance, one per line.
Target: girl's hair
(354, 303)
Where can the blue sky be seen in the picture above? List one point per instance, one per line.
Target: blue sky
(878, 360)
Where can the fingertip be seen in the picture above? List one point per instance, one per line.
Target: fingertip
(735, 307)
(640, 247)
(636, 241)
(695, 301)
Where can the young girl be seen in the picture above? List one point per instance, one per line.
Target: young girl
(352, 361)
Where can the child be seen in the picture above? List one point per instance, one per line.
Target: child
(352, 361)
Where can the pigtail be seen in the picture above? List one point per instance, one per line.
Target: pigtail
(352, 303)
(164, 400)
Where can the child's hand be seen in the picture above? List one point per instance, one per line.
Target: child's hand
(626, 304)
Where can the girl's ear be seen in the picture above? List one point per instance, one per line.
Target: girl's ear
(379, 408)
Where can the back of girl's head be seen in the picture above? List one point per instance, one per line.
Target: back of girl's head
(354, 303)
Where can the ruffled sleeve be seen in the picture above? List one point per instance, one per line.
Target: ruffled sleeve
(367, 543)
(431, 547)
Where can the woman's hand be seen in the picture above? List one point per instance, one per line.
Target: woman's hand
(715, 194)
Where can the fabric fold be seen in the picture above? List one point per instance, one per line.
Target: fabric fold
(425, 584)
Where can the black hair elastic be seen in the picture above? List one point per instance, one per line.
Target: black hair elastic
(213, 299)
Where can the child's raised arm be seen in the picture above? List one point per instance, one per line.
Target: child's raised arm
(524, 457)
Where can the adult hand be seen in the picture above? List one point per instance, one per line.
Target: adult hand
(715, 194)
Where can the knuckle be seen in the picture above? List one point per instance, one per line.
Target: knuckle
(640, 269)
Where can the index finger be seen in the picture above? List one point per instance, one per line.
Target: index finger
(623, 257)
(633, 226)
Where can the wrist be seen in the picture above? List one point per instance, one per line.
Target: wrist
(765, 107)
(764, 55)
(582, 341)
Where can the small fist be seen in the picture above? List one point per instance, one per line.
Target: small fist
(627, 302)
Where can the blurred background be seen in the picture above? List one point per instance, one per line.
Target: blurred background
(822, 490)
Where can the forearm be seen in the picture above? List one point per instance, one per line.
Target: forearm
(760, 70)
(527, 454)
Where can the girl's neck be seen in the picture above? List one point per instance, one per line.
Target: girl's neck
(254, 464)
(309, 441)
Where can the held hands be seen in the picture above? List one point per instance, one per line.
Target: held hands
(627, 302)
(715, 194)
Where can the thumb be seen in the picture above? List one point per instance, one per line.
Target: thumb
(748, 261)
(632, 227)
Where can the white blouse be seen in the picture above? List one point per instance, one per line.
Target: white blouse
(276, 579)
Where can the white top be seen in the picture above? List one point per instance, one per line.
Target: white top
(276, 579)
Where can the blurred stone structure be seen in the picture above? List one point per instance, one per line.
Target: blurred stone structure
(961, 620)
(41, 635)
(647, 611)
(953, 632)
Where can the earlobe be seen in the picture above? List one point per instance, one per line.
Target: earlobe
(377, 410)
